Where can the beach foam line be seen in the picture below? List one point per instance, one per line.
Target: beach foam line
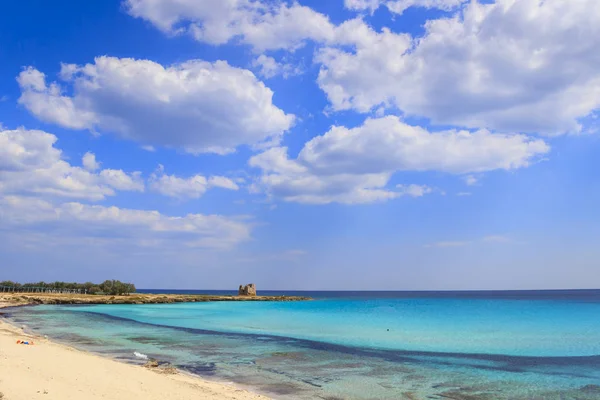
(140, 355)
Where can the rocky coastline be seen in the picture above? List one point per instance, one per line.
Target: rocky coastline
(17, 299)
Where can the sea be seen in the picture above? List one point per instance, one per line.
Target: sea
(356, 345)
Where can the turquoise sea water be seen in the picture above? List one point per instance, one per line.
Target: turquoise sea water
(526, 345)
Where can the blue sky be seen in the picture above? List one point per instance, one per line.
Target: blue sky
(347, 144)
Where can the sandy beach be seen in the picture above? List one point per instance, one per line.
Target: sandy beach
(49, 371)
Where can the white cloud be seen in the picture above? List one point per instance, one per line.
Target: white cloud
(47, 103)
(120, 180)
(388, 144)
(295, 182)
(222, 182)
(355, 80)
(355, 165)
(399, 6)
(112, 225)
(187, 188)
(21, 149)
(29, 163)
(263, 25)
(471, 180)
(198, 106)
(269, 67)
(514, 65)
(89, 161)
(361, 5)
(499, 66)
(415, 190)
(34, 178)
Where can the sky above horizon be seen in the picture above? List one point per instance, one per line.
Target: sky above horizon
(343, 144)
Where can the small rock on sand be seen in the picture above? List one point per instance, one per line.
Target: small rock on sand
(166, 369)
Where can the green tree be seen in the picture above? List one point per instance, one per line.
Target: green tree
(112, 287)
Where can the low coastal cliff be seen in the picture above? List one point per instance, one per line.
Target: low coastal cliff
(136, 298)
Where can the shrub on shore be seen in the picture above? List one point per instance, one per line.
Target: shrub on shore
(108, 287)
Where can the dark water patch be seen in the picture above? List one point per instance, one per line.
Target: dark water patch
(592, 389)
(410, 396)
(284, 356)
(282, 389)
(116, 353)
(206, 369)
(442, 385)
(73, 338)
(460, 395)
(145, 340)
(500, 362)
(311, 383)
(292, 373)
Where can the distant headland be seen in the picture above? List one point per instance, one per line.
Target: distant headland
(114, 292)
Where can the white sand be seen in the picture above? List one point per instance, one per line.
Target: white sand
(51, 371)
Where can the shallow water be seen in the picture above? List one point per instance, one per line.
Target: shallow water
(369, 346)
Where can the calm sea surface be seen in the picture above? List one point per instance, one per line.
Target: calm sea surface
(358, 345)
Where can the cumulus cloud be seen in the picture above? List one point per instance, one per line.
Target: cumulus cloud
(361, 5)
(355, 165)
(35, 179)
(77, 221)
(47, 102)
(187, 188)
(388, 144)
(509, 66)
(399, 6)
(269, 67)
(30, 163)
(197, 106)
(514, 65)
(89, 161)
(294, 182)
(261, 24)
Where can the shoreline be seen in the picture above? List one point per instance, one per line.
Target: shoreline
(134, 298)
(58, 371)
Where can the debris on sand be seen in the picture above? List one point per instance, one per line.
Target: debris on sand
(164, 368)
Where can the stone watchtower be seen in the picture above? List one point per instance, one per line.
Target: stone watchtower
(248, 290)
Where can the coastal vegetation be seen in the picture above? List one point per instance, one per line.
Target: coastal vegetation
(108, 287)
